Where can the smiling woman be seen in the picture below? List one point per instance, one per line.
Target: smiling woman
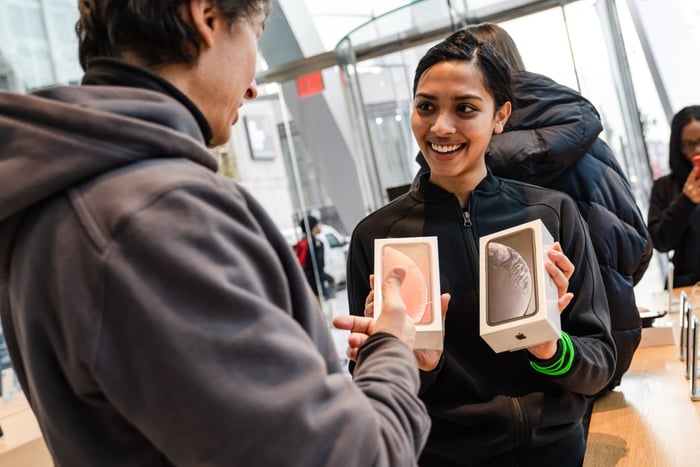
(462, 94)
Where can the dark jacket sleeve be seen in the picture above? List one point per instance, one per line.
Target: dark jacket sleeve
(358, 272)
(199, 350)
(587, 318)
(618, 231)
(669, 211)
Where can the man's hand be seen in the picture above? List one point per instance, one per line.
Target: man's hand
(427, 359)
(392, 320)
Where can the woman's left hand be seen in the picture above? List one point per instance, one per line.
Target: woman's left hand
(560, 269)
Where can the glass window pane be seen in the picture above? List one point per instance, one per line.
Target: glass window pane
(544, 45)
(16, 16)
(34, 23)
(656, 127)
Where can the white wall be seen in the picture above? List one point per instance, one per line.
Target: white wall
(265, 179)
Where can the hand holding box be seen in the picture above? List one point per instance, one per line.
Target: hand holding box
(420, 290)
(518, 299)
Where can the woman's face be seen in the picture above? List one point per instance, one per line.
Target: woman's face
(453, 119)
(690, 139)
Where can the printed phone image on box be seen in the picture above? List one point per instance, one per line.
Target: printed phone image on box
(511, 292)
(518, 299)
(420, 289)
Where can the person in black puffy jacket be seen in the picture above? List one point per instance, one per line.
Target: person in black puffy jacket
(551, 140)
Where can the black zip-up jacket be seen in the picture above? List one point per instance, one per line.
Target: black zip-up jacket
(485, 405)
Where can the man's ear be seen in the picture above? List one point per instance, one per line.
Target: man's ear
(501, 118)
(204, 19)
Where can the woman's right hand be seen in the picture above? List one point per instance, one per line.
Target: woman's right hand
(691, 187)
(428, 359)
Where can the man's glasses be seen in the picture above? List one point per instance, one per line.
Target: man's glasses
(688, 146)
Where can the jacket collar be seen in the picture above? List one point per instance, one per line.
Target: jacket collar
(428, 192)
(113, 72)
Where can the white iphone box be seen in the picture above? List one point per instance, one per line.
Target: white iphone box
(518, 299)
(421, 287)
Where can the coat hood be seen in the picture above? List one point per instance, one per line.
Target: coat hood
(550, 129)
(59, 137)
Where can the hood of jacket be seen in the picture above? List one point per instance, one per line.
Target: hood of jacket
(57, 138)
(550, 128)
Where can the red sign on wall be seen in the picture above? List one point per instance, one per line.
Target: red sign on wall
(310, 84)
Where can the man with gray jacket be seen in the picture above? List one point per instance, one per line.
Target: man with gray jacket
(153, 312)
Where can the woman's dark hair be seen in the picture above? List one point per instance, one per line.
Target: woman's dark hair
(464, 46)
(679, 164)
(501, 41)
(157, 32)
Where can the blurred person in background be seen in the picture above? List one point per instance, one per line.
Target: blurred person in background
(314, 263)
(674, 216)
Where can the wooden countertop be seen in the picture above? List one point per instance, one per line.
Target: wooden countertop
(649, 420)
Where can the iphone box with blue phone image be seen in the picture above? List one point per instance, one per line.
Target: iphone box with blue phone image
(517, 298)
(420, 289)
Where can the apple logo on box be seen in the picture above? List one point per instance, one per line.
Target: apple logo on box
(520, 336)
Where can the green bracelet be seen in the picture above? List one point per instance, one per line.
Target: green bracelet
(563, 364)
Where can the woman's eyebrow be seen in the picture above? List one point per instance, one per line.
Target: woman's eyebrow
(467, 97)
(455, 98)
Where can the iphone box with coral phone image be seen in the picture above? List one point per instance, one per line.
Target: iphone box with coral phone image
(420, 289)
(518, 299)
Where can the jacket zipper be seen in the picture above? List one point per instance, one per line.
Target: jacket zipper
(520, 430)
(469, 241)
(467, 219)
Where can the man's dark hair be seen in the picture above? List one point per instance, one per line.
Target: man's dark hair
(464, 46)
(157, 32)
